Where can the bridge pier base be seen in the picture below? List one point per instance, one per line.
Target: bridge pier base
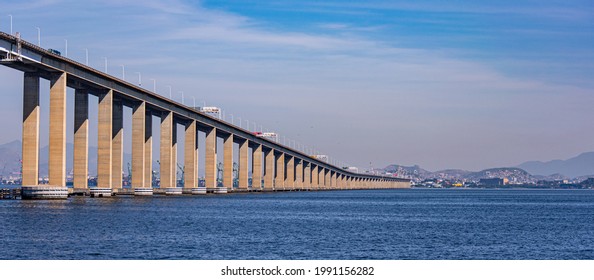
(44, 192)
(100, 192)
(143, 191)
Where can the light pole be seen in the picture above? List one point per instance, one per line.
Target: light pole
(231, 118)
(194, 99)
(106, 65)
(87, 56)
(65, 48)
(10, 24)
(123, 72)
(182, 94)
(38, 36)
(139, 79)
(169, 91)
(154, 85)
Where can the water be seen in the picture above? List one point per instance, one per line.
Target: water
(387, 224)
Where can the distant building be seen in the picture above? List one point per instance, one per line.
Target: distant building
(492, 182)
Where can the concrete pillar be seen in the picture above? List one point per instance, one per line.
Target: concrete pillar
(148, 150)
(174, 167)
(30, 149)
(257, 167)
(117, 145)
(243, 164)
(138, 152)
(279, 179)
(290, 180)
(334, 184)
(190, 157)
(327, 181)
(81, 139)
(307, 175)
(315, 177)
(104, 139)
(269, 169)
(228, 162)
(298, 174)
(166, 164)
(210, 166)
(57, 128)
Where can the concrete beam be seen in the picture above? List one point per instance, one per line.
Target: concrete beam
(104, 132)
(30, 148)
(57, 128)
(81, 139)
(138, 147)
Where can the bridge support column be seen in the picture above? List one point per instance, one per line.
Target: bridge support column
(326, 179)
(298, 174)
(333, 180)
(269, 170)
(257, 167)
(148, 153)
(117, 145)
(243, 165)
(279, 179)
(57, 127)
(307, 175)
(104, 145)
(30, 152)
(138, 148)
(81, 140)
(315, 178)
(190, 158)
(210, 167)
(166, 164)
(30, 149)
(290, 180)
(228, 162)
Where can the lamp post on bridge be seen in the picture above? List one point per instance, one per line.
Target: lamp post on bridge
(10, 24)
(154, 85)
(123, 72)
(139, 79)
(87, 57)
(38, 36)
(65, 48)
(169, 92)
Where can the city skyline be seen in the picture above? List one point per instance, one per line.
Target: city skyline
(444, 86)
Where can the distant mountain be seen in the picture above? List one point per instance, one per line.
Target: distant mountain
(581, 165)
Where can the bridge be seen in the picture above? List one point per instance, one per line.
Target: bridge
(275, 167)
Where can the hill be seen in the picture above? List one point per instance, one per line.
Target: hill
(581, 165)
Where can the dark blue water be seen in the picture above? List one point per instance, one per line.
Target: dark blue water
(389, 224)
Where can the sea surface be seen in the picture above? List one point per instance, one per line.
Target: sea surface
(379, 224)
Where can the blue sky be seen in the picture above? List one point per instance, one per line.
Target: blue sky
(442, 84)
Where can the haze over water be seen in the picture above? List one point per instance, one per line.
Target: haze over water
(390, 224)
